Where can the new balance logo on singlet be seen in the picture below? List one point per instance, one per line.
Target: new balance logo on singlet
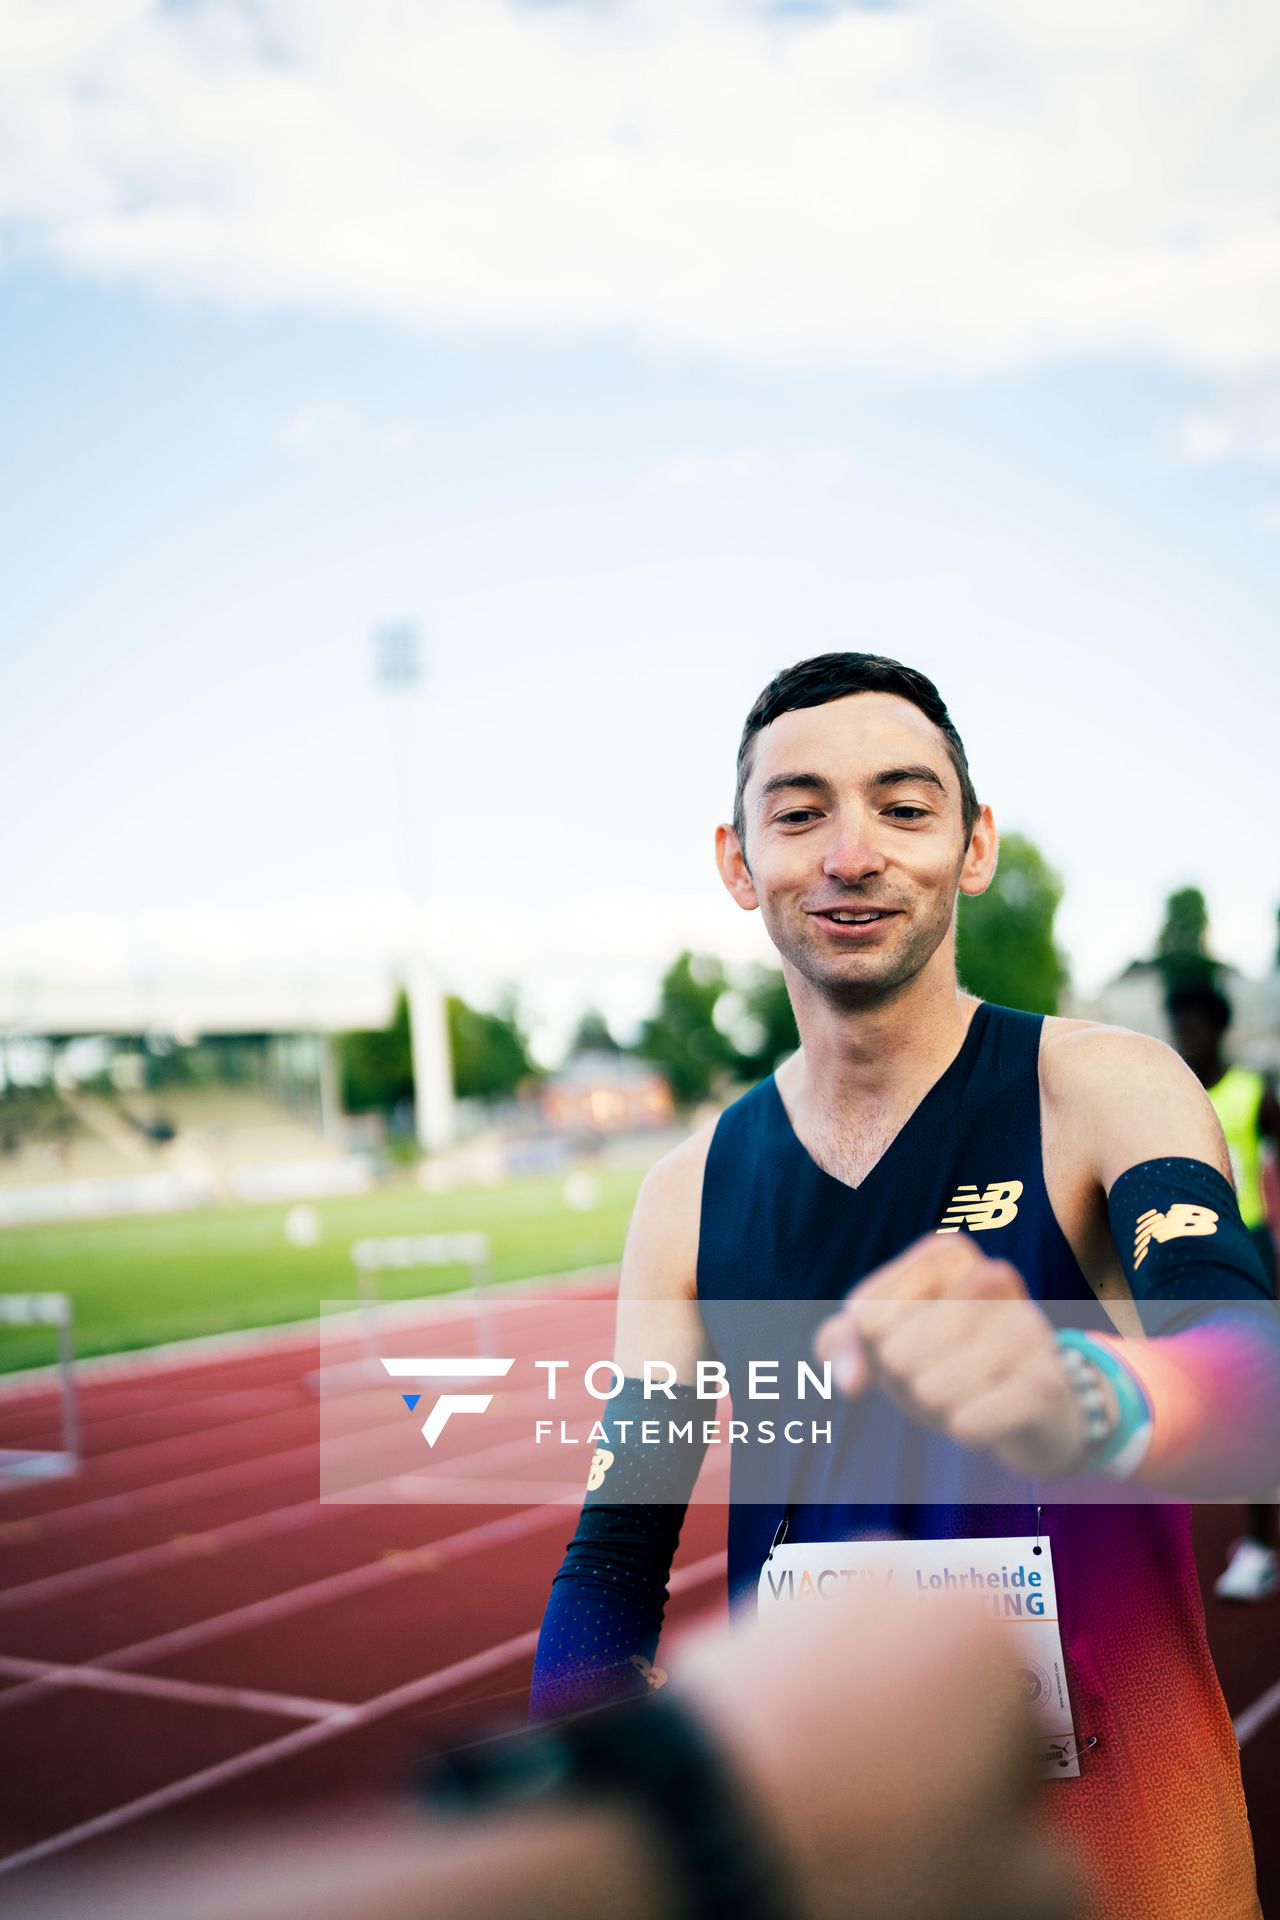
(979, 1211)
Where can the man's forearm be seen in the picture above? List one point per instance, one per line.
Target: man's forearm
(600, 1631)
(604, 1615)
(1214, 1394)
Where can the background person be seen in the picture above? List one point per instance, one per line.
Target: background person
(1249, 1113)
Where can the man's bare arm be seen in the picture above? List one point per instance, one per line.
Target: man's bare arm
(603, 1619)
(1137, 1117)
(1114, 1099)
(658, 1315)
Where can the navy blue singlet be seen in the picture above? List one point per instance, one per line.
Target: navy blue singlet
(775, 1226)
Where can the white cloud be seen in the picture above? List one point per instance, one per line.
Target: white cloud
(953, 187)
(324, 421)
(807, 468)
(1243, 422)
(314, 422)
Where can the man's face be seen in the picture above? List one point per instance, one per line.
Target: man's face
(854, 843)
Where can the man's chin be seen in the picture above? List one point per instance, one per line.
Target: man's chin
(856, 978)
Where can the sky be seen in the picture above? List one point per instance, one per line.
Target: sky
(632, 352)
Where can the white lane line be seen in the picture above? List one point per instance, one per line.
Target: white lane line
(393, 1488)
(213, 1349)
(101, 1413)
(163, 1553)
(159, 1494)
(251, 1428)
(1247, 1723)
(478, 1666)
(338, 1586)
(302, 1513)
(225, 1406)
(190, 1693)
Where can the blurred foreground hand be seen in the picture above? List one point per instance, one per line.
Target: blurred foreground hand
(889, 1762)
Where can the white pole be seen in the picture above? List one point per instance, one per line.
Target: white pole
(399, 670)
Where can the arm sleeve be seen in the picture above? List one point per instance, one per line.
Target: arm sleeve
(1210, 1367)
(1177, 1228)
(602, 1622)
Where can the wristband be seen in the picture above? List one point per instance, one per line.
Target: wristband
(651, 1754)
(1121, 1452)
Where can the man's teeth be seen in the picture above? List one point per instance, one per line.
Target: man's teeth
(855, 919)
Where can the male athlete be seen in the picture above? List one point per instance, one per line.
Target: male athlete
(1088, 1161)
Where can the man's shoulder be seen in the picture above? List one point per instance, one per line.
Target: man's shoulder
(661, 1256)
(1113, 1098)
(1089, 1058)
(676, 1179)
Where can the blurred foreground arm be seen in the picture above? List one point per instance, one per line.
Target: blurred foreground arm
(889, 1770)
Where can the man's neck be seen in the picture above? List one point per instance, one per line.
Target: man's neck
(878, 1057)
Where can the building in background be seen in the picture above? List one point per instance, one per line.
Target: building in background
(598, 1092)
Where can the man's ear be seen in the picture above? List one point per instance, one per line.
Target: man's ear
(980, 857)
(734, 870)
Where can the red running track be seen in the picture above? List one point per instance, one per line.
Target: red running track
(188, 1636)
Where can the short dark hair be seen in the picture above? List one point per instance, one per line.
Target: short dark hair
(1202, 997)
(830, 676)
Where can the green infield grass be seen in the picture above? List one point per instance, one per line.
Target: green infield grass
(138, 1282)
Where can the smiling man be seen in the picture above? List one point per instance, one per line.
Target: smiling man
(916, 1133)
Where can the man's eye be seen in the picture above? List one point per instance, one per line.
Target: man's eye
(908, 813)
(796, 817)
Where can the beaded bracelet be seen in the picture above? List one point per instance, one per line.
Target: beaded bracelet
(1120, 1450)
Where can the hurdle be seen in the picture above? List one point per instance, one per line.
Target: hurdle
(46, 1310)
(404, 1253)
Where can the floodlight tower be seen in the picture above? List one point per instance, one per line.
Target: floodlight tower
(398, 668)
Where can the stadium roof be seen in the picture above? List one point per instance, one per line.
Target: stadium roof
(187, 1007)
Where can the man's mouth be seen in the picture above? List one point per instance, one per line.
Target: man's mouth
(849, 917)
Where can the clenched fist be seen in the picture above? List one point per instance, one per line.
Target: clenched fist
(956, 1341)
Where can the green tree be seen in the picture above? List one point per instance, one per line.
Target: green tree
(681, 1037)
(1182, 945)
(490, 1051)
(763, 1030)
(1005, 949)
(376, 1067)
(592, 1034)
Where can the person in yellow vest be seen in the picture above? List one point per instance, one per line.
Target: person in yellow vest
(1246, 1105)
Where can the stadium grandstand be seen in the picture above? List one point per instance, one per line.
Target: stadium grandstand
(125, 1097)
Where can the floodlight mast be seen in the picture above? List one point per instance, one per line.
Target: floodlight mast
(398, 668)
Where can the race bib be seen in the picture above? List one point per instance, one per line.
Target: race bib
(1007, 1574)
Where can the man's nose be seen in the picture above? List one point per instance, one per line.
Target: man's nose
(851, 857)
